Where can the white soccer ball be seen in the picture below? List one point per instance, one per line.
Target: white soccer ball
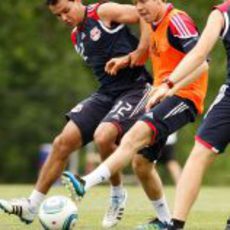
(58, 213)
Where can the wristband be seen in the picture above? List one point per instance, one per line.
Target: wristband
(168, 82)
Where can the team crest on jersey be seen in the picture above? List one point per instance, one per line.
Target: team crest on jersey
(77, 108)
(95, 34)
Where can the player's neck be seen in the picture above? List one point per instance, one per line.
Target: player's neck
(82, 14)
(161, 14)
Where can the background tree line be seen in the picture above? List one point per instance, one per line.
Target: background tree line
(41, 78)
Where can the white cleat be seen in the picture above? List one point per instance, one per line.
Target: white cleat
(21, 208)
(115, 211)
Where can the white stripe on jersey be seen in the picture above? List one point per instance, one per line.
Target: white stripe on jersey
(182, 28)
(106, 29)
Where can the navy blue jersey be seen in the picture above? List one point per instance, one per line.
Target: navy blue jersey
(97, 44)
(225, 33)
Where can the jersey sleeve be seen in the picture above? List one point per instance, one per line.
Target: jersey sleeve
(224, 8)
(183, 34)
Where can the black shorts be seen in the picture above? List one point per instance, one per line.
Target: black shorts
(122, 111)
(214, 132)
(164, 119)
(167, 154)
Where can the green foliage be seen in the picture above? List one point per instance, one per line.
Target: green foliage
(42, 78)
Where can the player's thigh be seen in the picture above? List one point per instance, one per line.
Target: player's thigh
(164, 119)
(106, 133)
(88, 114)
(201, 156)
(169, 116)
(70, 136)
(127, 109)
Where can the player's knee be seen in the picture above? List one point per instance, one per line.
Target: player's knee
(62, 146)
(103, 140)
(127, 142)
(139, 166)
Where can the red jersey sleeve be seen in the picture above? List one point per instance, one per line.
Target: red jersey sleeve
(183, 33)
(224, 8)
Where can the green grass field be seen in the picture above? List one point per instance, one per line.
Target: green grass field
(209, 213)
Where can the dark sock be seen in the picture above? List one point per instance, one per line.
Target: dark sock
(228, 221)
(178, 224)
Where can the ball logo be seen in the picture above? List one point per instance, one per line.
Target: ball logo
(95, 34)
(53, 205)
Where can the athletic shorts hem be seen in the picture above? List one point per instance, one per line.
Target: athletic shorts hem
(206, 144)
(153, 128)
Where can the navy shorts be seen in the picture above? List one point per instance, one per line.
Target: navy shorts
(167, 154)
(122, 111)
(168, 151)
(164, 119)
(214, 132)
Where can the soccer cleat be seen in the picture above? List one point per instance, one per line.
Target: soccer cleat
(115, 211)
(75, 185)
(154, 224)
(21, 208)
(228, 225)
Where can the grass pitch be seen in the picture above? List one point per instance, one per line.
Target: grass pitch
(209, 213)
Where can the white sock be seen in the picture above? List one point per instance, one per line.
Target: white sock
(36, 198)
(117, 191)
(100, 174)
(162, 209)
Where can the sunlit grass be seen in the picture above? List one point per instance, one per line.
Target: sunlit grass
(209, 213)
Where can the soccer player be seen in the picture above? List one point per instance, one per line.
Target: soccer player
(99, 35)
(172, 35)
(214, 133)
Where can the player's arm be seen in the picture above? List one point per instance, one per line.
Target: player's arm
(136, 58)
(120, 13)
(139, 56)
(200, 52)
(188, 79)
(164, 90)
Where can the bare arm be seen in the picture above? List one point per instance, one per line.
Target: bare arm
(189, 79)
(140, 55)
(135, 58)
(199, 53)
(120, 13)
(163, 91)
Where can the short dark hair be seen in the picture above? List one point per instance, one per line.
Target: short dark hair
(51, 2)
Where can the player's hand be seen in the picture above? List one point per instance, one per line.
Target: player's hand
(115, 64)
(158, 94)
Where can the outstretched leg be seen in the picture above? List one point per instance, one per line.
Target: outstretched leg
(63, 145)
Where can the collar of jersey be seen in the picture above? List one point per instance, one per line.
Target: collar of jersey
(169, 8)
(84, 19)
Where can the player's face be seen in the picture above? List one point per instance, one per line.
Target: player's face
(149, 10)
(69, 12)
